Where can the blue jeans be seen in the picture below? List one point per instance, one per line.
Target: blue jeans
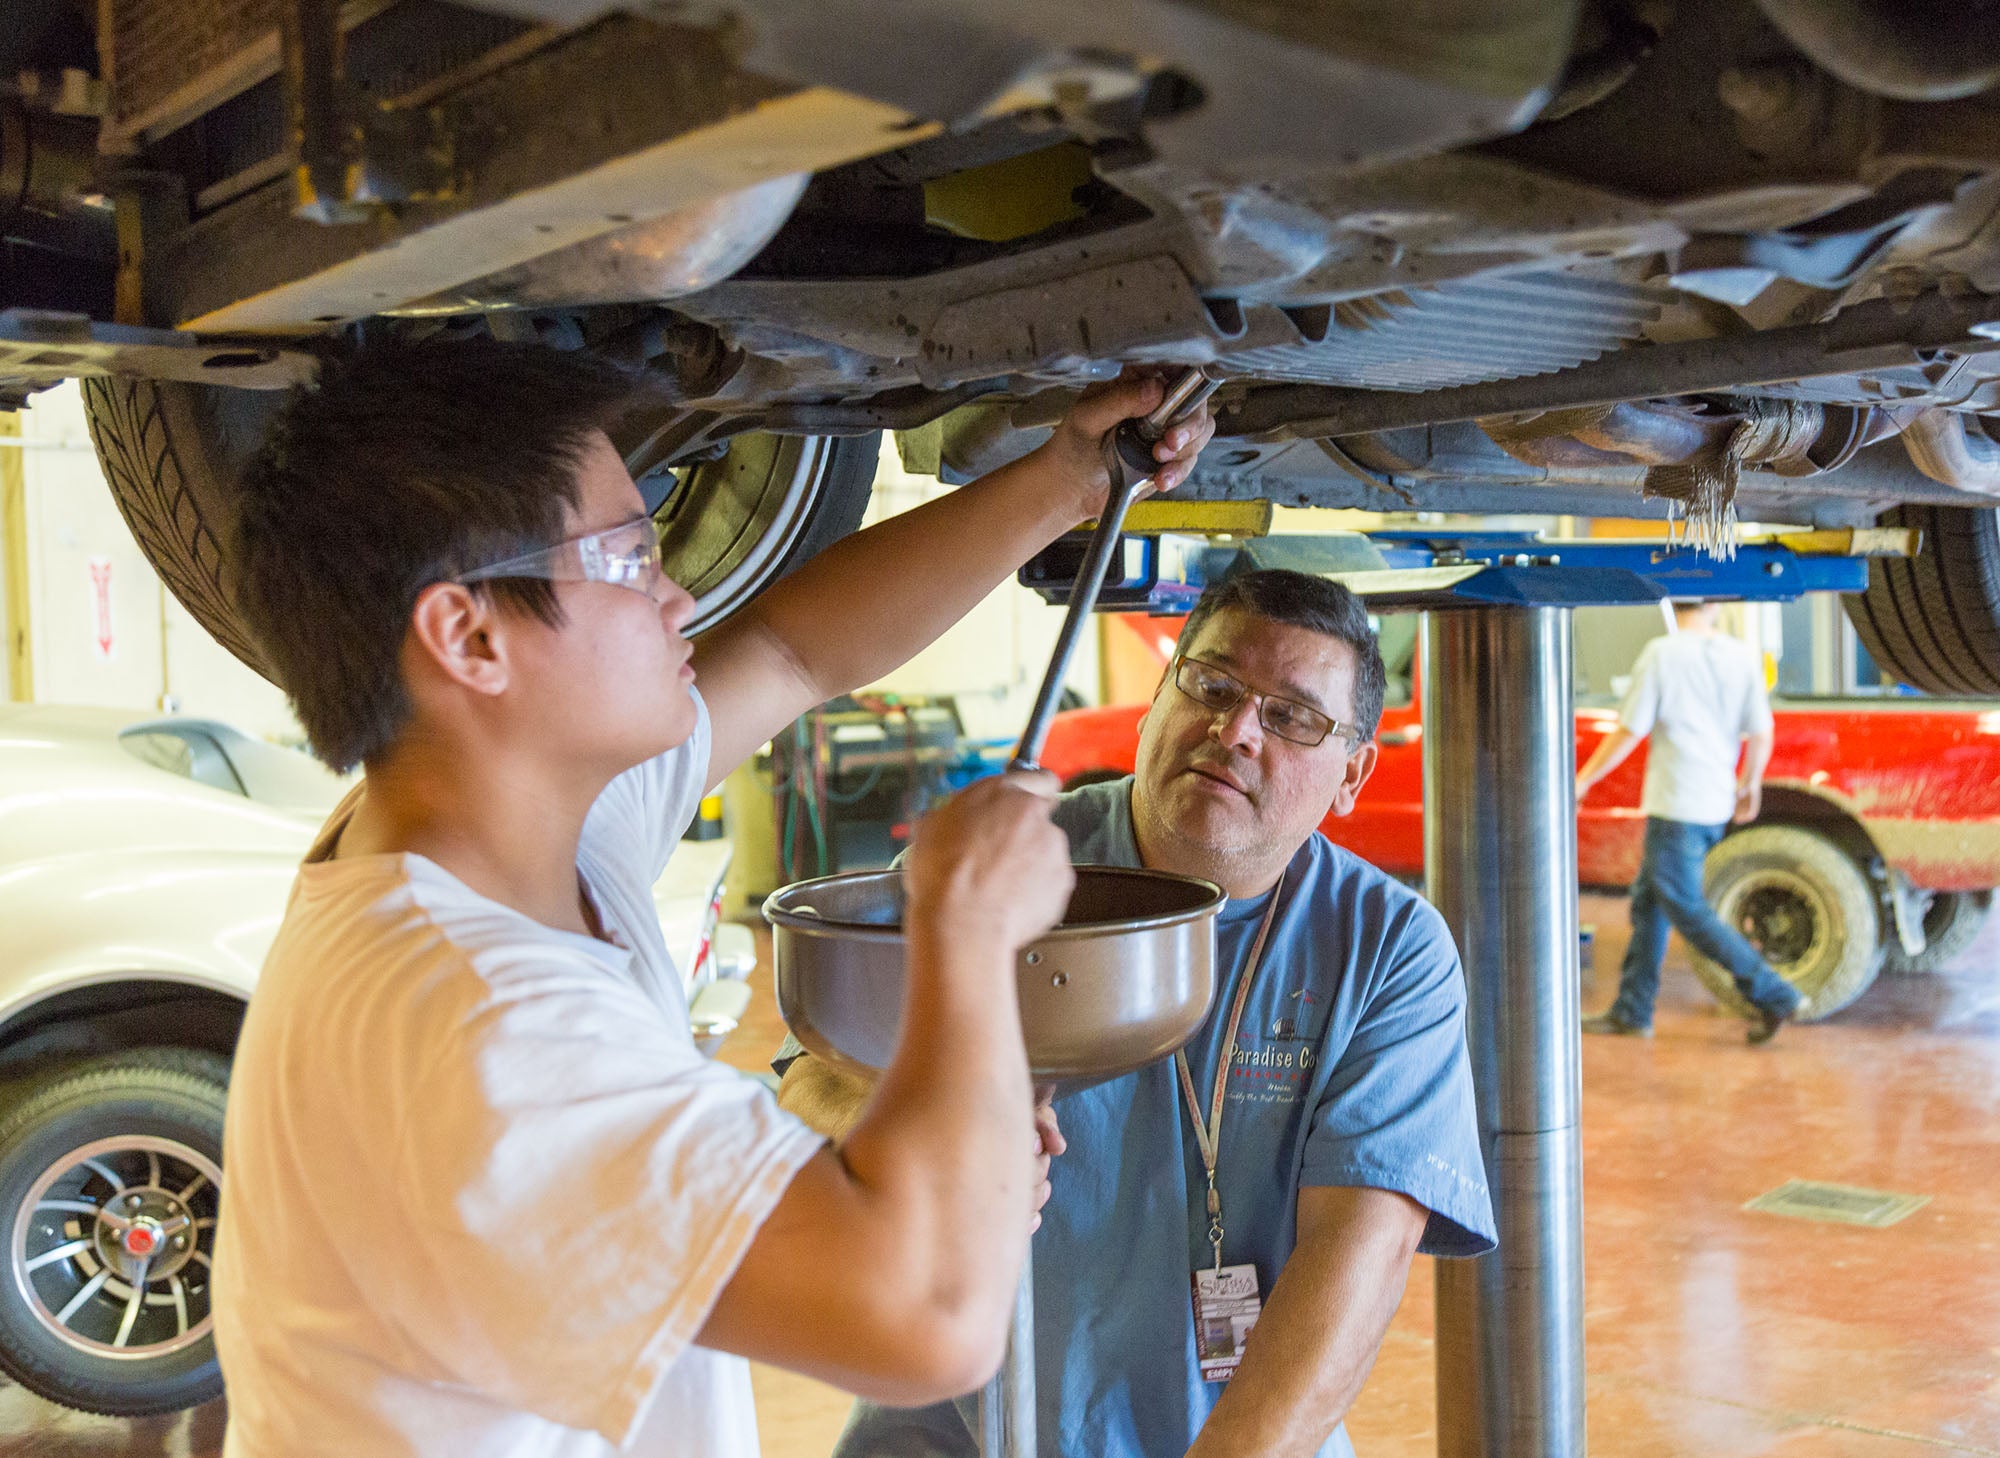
(1668, 894)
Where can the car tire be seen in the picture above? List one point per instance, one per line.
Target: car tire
(171, 453)
(732, 526)
(1933, 620)
(1804, 903)
(140, 1130)
(1952, 922)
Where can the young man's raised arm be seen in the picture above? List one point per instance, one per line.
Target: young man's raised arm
(869, 603)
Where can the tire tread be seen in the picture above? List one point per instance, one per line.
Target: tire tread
(1933, 621)
(178, 518)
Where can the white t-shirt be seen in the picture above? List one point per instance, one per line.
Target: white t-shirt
(482, 1191)
(1698, 695)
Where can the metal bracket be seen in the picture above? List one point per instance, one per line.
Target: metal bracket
(1907, 905)
(353, 158)
(40, 348)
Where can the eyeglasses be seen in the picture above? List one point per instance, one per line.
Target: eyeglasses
(1291, 721)
(626, 555)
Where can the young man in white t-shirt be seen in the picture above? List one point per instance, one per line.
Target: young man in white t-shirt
(484, 1196)
(1700, 695)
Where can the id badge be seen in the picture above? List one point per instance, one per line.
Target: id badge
(1226, 1306)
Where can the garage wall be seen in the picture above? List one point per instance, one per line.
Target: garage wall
(88, 622)
(18, 682)
(993, 660)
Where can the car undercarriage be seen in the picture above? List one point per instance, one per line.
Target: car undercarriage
(1707, 258)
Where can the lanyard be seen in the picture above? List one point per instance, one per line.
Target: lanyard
(1209, 1139)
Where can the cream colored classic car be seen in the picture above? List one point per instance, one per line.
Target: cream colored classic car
(143, 871)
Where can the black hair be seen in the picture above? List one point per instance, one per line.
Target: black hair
(1301, 600)
(403, 468)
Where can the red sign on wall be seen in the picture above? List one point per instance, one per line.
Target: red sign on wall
(100, 595)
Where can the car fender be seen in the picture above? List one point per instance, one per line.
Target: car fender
(1817, 806)
(198, 918)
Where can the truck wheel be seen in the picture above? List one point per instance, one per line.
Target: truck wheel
(1804, 903)
(1933, 620)
(1952, 923)
(110, 1180)
(729, 528)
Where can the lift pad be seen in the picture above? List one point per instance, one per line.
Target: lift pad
(1162, 515)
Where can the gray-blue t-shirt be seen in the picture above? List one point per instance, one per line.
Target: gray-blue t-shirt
(1350, 1069)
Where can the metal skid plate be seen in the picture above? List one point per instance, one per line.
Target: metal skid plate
(1457, 333)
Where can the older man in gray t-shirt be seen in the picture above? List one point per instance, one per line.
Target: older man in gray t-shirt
(1700, 696)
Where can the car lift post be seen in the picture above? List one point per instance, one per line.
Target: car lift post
(1499, 753)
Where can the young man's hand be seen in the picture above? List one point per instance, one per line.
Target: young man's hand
(1077, 447)
(990, 863)
(1749, 800)
(1049, 1142)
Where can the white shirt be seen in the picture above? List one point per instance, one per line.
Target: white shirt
(482, 1191)
(1698, 695)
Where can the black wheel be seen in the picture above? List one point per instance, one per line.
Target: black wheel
(1952, 922)
(1933, 620)
(110, 1181)
(729, 527)
(1803, 903)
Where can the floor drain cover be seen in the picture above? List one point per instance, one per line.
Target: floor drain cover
(1841, 1204)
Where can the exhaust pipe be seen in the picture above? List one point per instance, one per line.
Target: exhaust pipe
(1954, 449)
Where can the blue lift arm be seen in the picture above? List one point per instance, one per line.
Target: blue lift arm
(1441, 568)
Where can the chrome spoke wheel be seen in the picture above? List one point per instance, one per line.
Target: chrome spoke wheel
(112, 1248)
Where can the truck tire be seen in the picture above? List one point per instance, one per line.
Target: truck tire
(1804, 903)
(134, 1133)
(172, 453)
(1952, 923)
(1933, 620)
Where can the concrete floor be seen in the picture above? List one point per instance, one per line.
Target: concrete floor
(1713, 1332)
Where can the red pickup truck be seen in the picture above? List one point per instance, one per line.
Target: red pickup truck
(1878, 844)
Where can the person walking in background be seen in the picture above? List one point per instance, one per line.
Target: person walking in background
(1700, 695)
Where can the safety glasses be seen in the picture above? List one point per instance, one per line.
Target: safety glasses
(1218, 692)
(626, 555)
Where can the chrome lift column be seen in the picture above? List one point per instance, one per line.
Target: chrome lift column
(1500, 864)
